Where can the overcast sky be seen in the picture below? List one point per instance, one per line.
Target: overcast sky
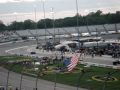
(11, 10)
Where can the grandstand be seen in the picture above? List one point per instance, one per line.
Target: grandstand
(102, 29)
(65, 32)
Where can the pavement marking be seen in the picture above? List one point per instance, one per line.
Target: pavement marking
(11, 42)
(18, 48)
(15, 49)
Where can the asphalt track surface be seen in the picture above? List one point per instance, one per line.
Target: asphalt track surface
(28, 83)
(104, 59)
(7, 46)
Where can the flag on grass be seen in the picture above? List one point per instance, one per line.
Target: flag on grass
(73, 62)
(66, 61)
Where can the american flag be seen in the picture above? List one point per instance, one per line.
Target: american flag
(74, 61)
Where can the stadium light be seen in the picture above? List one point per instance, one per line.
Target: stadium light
(15, 14)
(44, 12)
(36, 25)
(35, 11)
(52, 12)
(77, 18)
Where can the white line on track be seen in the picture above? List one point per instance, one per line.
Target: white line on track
(18, 48)
(11, 42)
(15, 48)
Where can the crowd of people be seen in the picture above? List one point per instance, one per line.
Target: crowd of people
(7, 35)
(113, 50)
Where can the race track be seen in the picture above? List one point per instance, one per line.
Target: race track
(28, 83)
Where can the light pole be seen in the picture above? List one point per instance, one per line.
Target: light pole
(52, 12)
(45, 26)
(35, 12)
(15, 14)
(36, 25)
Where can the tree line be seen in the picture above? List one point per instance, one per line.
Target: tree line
(93, 18)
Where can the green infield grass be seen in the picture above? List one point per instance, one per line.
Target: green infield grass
(82, 76)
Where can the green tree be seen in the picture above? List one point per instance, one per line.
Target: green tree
(15, 26)
(93, 18)
(2, 27)
(40, 24)
(29, 24)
